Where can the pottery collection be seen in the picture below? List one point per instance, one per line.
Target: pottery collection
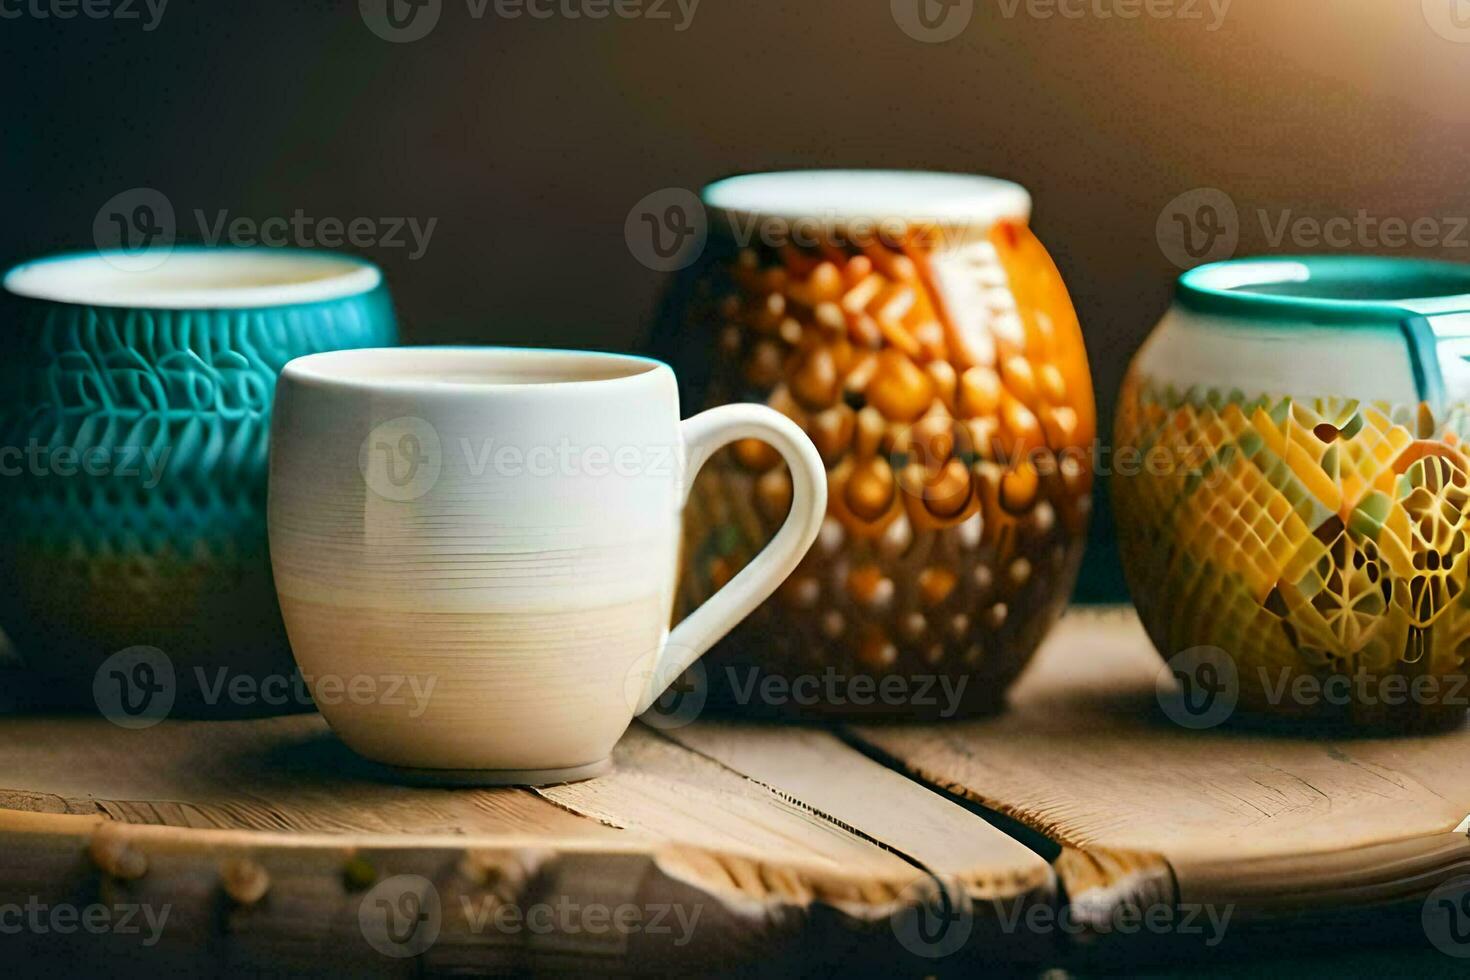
(887, 473)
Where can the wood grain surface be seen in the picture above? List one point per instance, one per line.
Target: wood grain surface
(1275, 822)
(778, 868)
(800, 848)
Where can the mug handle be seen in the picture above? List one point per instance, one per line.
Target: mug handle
(703, 435)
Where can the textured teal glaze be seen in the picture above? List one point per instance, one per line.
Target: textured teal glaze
(173, 556)
(192, 388)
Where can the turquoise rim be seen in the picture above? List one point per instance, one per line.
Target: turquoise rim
(1404, 295)
(1327, 290)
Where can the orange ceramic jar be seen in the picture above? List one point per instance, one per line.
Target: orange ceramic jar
(918, 331)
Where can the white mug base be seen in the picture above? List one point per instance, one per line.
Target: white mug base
(502, 777)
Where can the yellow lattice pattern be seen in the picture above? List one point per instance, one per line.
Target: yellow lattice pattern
(1322, 536)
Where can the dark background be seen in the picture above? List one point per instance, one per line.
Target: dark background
(530, 140)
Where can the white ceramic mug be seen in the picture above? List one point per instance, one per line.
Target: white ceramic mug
(476, 549)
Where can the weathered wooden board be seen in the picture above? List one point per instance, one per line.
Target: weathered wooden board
(781, 867)
(1272, 823)
(798, 849)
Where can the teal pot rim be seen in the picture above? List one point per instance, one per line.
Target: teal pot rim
(1424, 300)
(1340, 290)
(848, 196)
(189, 277)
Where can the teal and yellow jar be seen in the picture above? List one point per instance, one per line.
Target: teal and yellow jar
(1292, 484)
(135, 400)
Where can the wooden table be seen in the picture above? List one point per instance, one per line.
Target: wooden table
(1080, 828)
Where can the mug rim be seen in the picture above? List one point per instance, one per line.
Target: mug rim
(1234, 288)
(119, 279)
(330, 369)
(870, 195)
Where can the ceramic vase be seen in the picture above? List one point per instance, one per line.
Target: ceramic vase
(135, 398)
(1292, 489)
(917, 330)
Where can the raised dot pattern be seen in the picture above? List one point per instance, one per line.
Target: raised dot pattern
(953, 422)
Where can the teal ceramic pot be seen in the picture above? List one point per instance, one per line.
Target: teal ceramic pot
(135, 400)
